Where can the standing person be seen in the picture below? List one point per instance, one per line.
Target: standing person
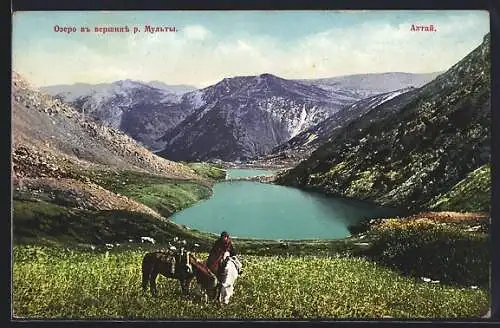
(221, 245)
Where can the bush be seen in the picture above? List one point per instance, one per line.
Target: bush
(359, 227)
(437, 251)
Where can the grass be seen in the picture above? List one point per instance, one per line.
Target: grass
(164, 195)
(42, 222)
(471, 194)
(282, 279)
(167, 198)
(209, 171)
(71, 284)
(37, 221)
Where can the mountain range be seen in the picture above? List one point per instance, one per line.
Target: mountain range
(141, 110)
(78, 181)
(236, 119)
(45, 126)
(367, 85)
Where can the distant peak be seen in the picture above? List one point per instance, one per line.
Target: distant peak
(127, 81)
(268, 76)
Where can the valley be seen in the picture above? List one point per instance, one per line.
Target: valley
(387, 187)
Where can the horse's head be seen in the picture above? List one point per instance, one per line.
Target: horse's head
(185, 264)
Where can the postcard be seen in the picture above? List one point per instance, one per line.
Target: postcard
(251, 165)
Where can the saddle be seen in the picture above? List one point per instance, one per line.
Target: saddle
(236, 262)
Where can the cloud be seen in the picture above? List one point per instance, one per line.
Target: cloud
(196, 32)
(194, 56)
(379, 47)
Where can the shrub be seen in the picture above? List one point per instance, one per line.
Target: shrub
(423, 248)
(359, 227)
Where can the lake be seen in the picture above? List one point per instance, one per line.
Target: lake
(264, 211)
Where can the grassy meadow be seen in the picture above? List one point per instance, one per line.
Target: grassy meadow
(67, 283)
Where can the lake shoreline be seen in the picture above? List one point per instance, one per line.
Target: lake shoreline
(266, 211)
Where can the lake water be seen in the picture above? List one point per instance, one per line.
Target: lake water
(265, 211)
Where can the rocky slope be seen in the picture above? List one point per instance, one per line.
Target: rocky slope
(147, 111)
(244, 116)
(46, 128)
(302, 145)
(408, 151)
(144, 111)
(64, 166)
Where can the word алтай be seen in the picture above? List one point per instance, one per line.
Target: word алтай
(423, 28)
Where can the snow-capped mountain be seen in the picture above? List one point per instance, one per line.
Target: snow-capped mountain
(241, 117)
(142, 110)
(367, 85)
(236, 118)
(303, 144)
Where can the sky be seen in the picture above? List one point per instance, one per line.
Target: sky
(211, 45)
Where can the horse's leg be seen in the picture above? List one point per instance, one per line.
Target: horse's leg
(187, 282)
(205, 296)
(146, 273)
(152, 283)
(218, 291)
(183, 286)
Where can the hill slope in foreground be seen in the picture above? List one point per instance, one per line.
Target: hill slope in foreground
(86, 182)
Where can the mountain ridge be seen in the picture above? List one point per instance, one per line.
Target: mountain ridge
(302, 145)
(246, 116)
(406, 154)
(283, 108)
(147, 111)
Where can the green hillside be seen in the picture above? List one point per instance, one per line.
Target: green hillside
(412, 148)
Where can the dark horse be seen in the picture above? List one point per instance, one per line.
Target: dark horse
(169, 265)
(182, 266)
(207, 281)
